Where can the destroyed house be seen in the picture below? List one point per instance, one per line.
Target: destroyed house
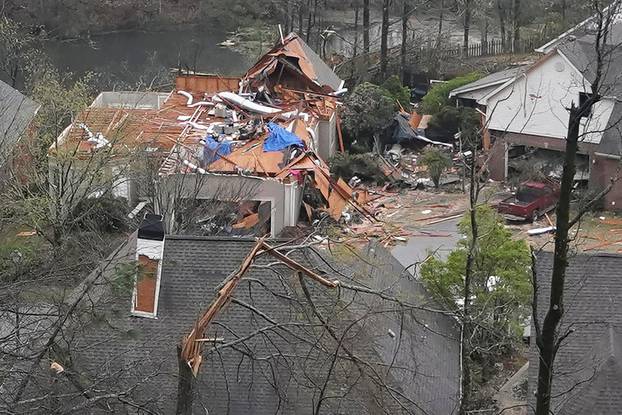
(267, 350)
(267, 135)
(588, 364)
(526, 116)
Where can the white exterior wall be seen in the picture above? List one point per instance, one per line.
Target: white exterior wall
(327, 137)
(284, 198)
(536, 103)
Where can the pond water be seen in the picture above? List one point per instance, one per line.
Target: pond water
(123, 56)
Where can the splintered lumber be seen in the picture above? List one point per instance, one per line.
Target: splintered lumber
(247, 222)
(193, 343)
(322, 183)
(345, 194)
(298, 267)
(340, 134)
(548, 219)
(336, 204)
(191, 349)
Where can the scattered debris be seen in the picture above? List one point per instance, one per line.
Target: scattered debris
(540, 231)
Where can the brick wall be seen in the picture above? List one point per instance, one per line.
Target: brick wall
(603, 169)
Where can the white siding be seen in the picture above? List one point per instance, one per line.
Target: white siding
(536, 103)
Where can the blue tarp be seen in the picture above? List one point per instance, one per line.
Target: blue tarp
(279, 138)
(213, 150)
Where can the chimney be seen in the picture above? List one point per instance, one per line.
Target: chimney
(149, 248)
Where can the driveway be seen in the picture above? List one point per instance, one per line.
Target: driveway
(418, 247)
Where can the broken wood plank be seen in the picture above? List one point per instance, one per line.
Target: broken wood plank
(298, 267)
(548, 219)
(247, 222)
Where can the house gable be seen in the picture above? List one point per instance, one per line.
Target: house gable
(537, 101)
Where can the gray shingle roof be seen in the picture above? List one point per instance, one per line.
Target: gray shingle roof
(588, 371)
(582, 54)
(278, 369)
(588, 27)
(611, 142)
(16, 114)
(492, 79)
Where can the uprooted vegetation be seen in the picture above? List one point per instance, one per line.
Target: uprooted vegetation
(363, 166)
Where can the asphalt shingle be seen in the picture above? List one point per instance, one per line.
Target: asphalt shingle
(588, 371)
(16, 113)
(395, 360)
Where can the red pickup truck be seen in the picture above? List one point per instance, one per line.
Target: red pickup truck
(531, 200)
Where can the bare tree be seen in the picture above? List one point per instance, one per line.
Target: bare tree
(366, 28)
(548, 339)
(384, 39)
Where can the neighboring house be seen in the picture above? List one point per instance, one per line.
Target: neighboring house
(526, 115)
(17, 112)
(211, 132)
(269, 350)
(588, 365)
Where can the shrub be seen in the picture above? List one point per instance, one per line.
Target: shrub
(438, 96)
(366, 111)
(397, 92)
(104, 214)
(449, 120)
(364, 166)
(437, 162)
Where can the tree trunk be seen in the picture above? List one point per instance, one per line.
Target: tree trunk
(501, 13)
(467, 26)
(366, 29)
(384, 39)
(516, 26)
(441, 16)
(308, 34)
(356, 38)
(547, 337)
(289, 17)
(300, 16)
(185, 386)
(405, 17)
(315, 25)
(485, 29)
(465, 335)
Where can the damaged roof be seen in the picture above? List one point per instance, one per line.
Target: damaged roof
(588, 364)
(306, 60)
(278, 370)
(216, 112)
